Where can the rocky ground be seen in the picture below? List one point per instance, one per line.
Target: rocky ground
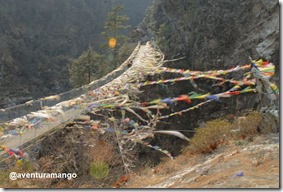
(240, 164)
(252, 162)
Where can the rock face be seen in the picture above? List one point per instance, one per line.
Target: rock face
(214, 34)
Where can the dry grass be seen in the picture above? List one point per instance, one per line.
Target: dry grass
(218, 132)
(205, 140)
(247, 127)
(208, 138)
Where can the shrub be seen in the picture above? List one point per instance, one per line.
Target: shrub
(247, 127)
(99, 170)
(209, 137)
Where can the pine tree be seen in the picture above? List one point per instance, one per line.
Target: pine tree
(86, 68)
(114, 26)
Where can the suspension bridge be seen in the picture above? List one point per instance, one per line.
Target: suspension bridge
(116, 91)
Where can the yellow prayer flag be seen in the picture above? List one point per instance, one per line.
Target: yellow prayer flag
(112, 119)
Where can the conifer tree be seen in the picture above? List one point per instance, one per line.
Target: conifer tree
(86, 68)
(114, 27)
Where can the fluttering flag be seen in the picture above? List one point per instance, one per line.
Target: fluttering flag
(158, 149)
(174, 133)
(112, 119)
(168, 101)
(19, 154)
(184, 98)
(260, 69)
(213, 97)
(110, 129)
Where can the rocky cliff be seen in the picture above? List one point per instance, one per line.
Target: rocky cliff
(214, 34)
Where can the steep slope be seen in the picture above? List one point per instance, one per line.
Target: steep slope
(39, 38)
(214, 34)
(249, 165)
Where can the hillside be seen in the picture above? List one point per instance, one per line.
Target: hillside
(38, 39)
(236, 165)
(213, 34)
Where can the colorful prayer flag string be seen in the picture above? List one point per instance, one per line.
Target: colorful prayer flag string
(266, 66)
(185, 110)
(158, 149)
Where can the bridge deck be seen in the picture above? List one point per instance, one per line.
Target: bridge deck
(145, 57)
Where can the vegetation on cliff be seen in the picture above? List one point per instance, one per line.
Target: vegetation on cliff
(40, 38)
